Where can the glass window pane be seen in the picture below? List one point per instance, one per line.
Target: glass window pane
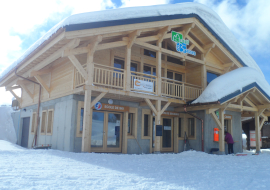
(118, 63)
(179, 128)
(146, 125)
(169, 75)
(174, 60)
(130, 123)
(97, 129)
(81, 120)
(147, 70)
(133, 67)
(113, 136)
(191, 127)
(149, 53)
(167, 133)
(154, 72)
(211, 76)
(178, 77)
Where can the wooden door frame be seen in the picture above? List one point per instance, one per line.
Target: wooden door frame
(171, 149)
(104, 148)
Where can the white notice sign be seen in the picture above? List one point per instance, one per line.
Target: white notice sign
(143, 85)
(167, 128)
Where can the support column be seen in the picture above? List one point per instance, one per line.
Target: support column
(127, 68)
(157, 122)
(158, 61)
(125, 131)
(257, 132)
(204, 77)
(88, 111)
(221, 132)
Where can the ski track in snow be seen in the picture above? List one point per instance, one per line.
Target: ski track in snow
(52, 169)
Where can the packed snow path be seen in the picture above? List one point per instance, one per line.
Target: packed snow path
(51, 169)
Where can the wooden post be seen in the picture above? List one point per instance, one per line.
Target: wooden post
(125, 129)
(221, 132)
(157, 122)
(158, 61)
(88, 112)
(204, 77)
(257, 132)
(127, 68)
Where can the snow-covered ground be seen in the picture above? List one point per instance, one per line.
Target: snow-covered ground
(51, 169)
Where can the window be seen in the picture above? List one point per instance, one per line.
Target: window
(149, 53)
(118, 63)
(50, 122)
(174, 75)
(150, 70)
(147, 121)
(179, 127)
(33, 127)
(80, 114)
(130, 123)
(133, 67)
(43, 122)
(174, 60)
(191, 127)
(211, 76)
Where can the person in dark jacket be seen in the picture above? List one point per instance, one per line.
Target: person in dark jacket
(229, 140)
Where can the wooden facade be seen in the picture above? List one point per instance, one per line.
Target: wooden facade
(84, 62)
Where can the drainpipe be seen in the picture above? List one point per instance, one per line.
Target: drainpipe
(185, 109)
(39, 97)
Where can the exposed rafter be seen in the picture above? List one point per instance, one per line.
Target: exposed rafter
(187, 29)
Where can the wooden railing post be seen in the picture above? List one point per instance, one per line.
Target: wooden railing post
(183, 90)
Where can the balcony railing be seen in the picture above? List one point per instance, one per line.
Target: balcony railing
(115, 78)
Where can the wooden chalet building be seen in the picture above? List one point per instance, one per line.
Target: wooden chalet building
(119, 81)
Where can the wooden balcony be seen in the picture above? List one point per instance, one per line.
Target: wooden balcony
(112, 77)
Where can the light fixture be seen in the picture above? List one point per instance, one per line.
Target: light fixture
(110, 101)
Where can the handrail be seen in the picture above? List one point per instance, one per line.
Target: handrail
(163, 78)
(99, 65)
(140, 73)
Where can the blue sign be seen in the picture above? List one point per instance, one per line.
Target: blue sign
(98, 106)
(180, 47)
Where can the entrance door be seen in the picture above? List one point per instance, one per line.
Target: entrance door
(25, 132)
(167, 135)
(106, 132)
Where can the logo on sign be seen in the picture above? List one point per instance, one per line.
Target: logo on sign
(181, 44)
(143, 85)
(98, 106)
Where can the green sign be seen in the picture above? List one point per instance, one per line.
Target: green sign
(217, 114)
(178, 38)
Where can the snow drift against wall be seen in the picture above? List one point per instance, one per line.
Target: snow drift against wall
(231, 82)
(7, 131)
(205, 13)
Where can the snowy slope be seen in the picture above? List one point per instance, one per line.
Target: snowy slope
(231, 82)
(52, 169)
(207, 14)
(7, 131)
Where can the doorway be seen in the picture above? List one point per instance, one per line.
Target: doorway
(106, 131)
(167, 135)
(25, 132)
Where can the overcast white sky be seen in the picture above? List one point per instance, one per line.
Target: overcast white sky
(23, 24)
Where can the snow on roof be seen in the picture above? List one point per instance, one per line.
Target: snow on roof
(206, 14)
(231, 82)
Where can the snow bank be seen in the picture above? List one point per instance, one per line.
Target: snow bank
(207, 14)
(231, 82)
(7, 131)
(8, 146)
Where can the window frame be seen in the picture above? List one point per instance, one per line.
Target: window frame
(147, 112)
(174, 72)
(133, 134)
(45, 125)
(187, 127)
(80, 106)
(33, 121)
(50, 110)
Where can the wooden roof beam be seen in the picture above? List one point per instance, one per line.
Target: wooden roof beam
(40, 72)
(17, 97)
(27, 91)
(162, 33)
(208, 48)
(93, 46)
(12, 88)
(132, 37)
(195, 43)
(187, 29)
(42, 83)
(78, 66)
(149, 103)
